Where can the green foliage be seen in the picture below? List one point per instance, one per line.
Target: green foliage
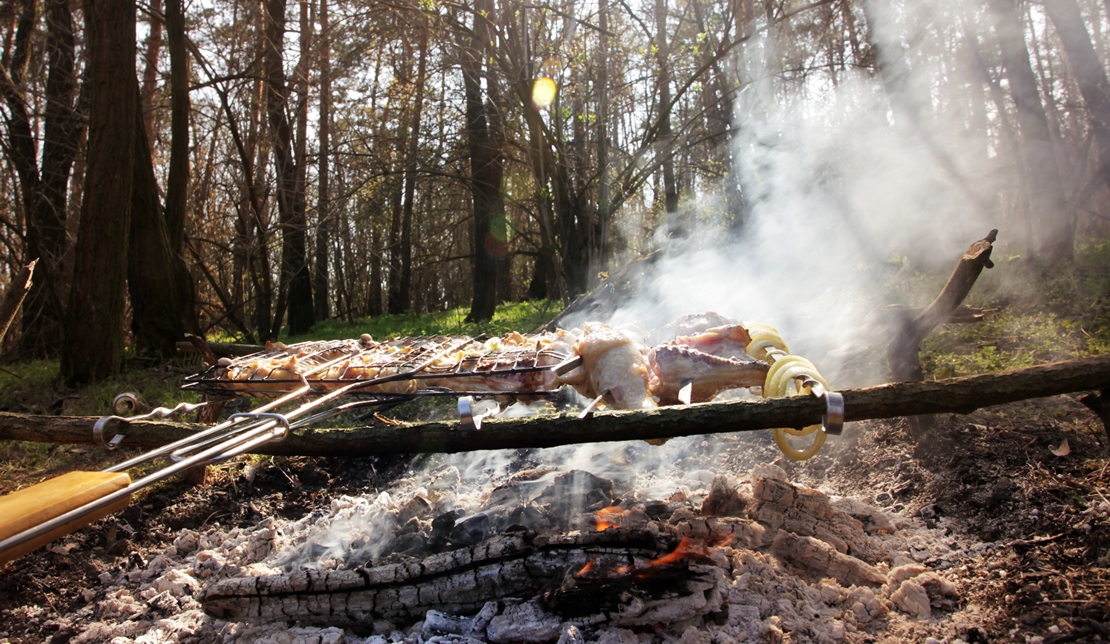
(1041, 318)
(1005, 340)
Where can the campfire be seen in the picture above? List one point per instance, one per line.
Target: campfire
(547, 554)
(626, 543)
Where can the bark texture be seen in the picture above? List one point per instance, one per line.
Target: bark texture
(92, 345)
(162, 293)
(1090, 75)
(952, 395)
(487, 166)
(1051, 229)
(295, 287)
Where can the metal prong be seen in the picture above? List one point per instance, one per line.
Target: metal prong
(686, 392)
(569, 364)
(593, 405)
(160, 412)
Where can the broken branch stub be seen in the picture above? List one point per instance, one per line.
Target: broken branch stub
(902, 354)
(13, 299)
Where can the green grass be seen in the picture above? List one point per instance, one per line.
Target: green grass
(1041, 318)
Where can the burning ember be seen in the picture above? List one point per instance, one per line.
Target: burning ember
(609, 517)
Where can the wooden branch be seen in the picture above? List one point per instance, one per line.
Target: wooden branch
(902, 354)
(221, 348)
(13, 299)
(953, 395)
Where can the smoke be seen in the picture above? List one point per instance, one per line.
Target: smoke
(845, 182)
(844, 187)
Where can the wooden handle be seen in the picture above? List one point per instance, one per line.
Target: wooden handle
(35, 505)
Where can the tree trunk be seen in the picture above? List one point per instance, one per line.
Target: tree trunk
(486, 166)
(599, 248)
(150, 70)
(92, 345)
(325, 223)
(1049, 215)
(161, 288)
(295, 286)
(398, 301)
(45, 196)
(412, 154)
(675, 227)
(374, 290)
(177, 184)
(1089, 73)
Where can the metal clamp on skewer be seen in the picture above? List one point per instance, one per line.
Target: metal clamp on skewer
(832, 422)
(467, 419)
(160, 412)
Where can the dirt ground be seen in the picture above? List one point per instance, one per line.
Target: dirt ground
(1039, 512)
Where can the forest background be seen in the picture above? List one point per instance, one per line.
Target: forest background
(240, 167)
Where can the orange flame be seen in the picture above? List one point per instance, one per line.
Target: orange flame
(585, 569)
(684, 548)
(609, 517)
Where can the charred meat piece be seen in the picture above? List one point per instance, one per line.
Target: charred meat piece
(672, 365)
(613, 362)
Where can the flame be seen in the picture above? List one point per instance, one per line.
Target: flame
(585, 569)
(609, 517)
(684, 548)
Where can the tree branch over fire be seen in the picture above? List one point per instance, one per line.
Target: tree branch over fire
(952, 395)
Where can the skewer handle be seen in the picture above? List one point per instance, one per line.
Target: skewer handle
(39, 503)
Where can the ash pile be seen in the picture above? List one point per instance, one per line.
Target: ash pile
(546, 554)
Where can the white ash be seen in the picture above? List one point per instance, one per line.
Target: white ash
(799, 566)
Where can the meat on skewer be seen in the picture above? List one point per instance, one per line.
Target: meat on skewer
(613, 362)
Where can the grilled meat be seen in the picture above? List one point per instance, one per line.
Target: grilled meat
(672, 365)
(613, 362)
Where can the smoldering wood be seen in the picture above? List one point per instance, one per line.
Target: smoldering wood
(521, 565)
(952, 395)
(903, 352)
(13, 299)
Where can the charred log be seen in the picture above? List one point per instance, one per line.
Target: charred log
(952, 395)
(522, 565)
